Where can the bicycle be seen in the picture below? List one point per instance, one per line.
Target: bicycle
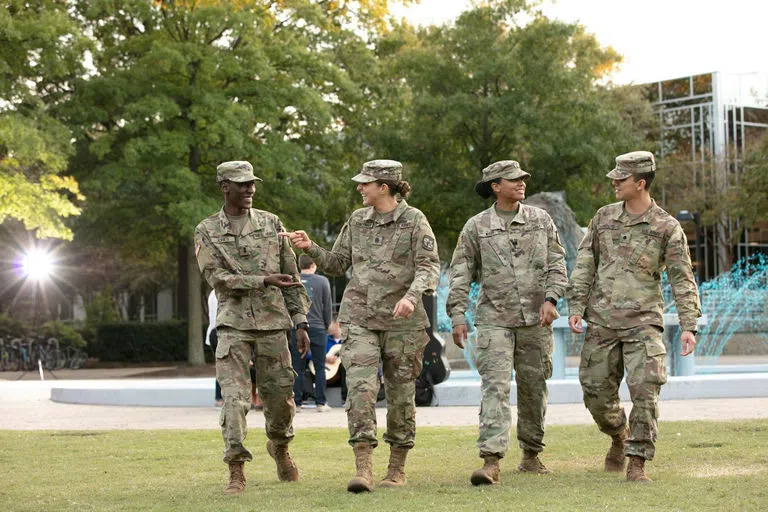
(23, 352)
(8, 359)
(51, 355)
(76, 358)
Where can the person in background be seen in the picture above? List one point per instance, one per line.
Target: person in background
(211, 339)
(319, 317)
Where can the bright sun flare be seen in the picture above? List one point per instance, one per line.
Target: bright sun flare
(37, 265)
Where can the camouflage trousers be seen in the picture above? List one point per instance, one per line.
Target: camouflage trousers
(605, 356)
(400, 354)
(274, 378)
(529, 351)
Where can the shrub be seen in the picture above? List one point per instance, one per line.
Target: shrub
(11, 328)
(102, 309)
(141, 343)
(67, 334)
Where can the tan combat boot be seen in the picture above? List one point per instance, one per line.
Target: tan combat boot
(532, 464)
(286, 468)
(489, 473)
(615, 459)
(396, 469)
(236, 478)
(363, 479)
(636, 470)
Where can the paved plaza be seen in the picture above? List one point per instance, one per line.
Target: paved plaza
(26, 405)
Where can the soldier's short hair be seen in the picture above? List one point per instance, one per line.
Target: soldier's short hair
(647, 176)
(305, 261)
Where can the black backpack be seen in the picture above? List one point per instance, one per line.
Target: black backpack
(425, 389)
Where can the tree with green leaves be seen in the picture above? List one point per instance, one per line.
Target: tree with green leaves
(491, 87)
(41, 56)
(180, 86)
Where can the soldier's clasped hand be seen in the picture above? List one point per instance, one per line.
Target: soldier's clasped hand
(547, 314)
(281, 281)
(688, 341)
(404, 308)
(298, 238)
(302, 342)
(459, 335)
(575, 323)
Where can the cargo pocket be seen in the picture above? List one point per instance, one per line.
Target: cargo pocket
(586, 354)
(287, 374)
(222, 349)
(488, 358)
(546, 364)
(655, 362)
(413, 353)
(483, 341)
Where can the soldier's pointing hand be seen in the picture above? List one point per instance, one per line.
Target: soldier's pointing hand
(299, 239)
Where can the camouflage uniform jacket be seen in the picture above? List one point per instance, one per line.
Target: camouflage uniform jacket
(236, 266)
(391, 259)
(518, 267)
(617, 279)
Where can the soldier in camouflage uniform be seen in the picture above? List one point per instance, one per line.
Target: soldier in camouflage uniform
(616, 288)
(393, 255)
(255, 276)
(514, 252)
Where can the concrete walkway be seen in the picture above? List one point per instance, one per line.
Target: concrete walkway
(26, 405)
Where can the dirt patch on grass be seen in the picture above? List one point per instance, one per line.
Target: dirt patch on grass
(721, 471)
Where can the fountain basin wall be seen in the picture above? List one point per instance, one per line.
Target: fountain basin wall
(463, 388)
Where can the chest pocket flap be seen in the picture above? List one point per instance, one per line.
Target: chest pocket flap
(489, 244)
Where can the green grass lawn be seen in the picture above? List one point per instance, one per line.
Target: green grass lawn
(699, 466)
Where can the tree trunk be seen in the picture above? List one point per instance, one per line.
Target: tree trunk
(182, 282)
(195, 353)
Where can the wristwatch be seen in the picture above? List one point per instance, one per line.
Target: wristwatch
(303, 325)
(551, 300)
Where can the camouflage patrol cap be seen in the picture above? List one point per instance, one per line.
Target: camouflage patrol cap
(509, 169)
(238, 171)
(388, 170)
(636, 162)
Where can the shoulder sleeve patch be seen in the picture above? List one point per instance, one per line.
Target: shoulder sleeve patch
(428, 243)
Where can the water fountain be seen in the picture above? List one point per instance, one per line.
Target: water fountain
(736, 305)
(734, 302)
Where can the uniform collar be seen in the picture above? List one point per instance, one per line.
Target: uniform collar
(498, 222)
(254, 223)
(644, 218)
(396, 213)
